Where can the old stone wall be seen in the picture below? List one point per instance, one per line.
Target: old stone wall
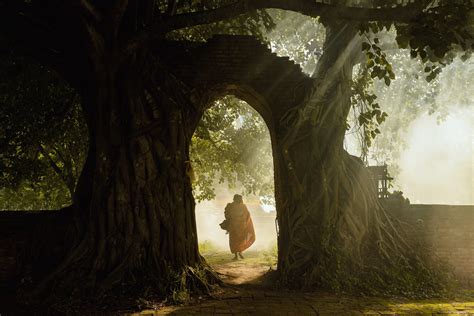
(15, 227)
(447, 231)
(16, 231)
(240, 66)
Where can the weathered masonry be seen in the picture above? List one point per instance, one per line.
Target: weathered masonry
(447, 231)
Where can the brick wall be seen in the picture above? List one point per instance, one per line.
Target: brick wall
(16, 228)
(241, 66)
(448, 233)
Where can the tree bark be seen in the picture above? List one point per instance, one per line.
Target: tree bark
(134, 200)
(310, 151)
(333, 231)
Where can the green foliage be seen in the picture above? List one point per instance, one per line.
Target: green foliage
(47, 193)
(297, 36)
(369, 114)
(377, 61)
(207, 247)
(42, 136)
(449, 19)
(423, 39)
(410, 96)
(270, 255)
(232, 144)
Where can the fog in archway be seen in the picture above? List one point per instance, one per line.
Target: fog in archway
(231, 154)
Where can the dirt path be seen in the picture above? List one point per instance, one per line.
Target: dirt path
(249, 270)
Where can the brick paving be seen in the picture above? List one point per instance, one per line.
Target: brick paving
(245, 294)
(244, 300)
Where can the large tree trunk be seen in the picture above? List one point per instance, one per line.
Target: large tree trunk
(333, 232)
(134, 202)
(311, 149)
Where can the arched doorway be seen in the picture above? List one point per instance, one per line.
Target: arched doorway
(231, 153)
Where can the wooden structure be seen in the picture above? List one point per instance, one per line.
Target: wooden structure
(381, 179)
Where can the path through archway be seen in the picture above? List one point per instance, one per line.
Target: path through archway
(231, 154)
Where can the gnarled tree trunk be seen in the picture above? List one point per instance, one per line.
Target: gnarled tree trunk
(134, 204)
(333, 232)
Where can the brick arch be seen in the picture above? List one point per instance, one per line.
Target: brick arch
(242, 65)
(242, 92)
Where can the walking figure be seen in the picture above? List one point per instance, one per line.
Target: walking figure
(239, 225)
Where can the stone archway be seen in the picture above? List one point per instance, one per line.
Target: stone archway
(244, 67)
(234, 156)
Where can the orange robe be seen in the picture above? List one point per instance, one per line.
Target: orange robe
(241, 231)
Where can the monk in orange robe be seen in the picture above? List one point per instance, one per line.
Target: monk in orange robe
(239, 226)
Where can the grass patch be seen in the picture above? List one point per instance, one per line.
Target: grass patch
(270, 255)
(207, 247)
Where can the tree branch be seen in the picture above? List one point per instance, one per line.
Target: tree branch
(89, 10)
(116, 14)
(52, 163)
(307, 7)
(172, 6)
(46, 34)
(67, 176)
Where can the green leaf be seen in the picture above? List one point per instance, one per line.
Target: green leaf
(380, 119)
(402, 41)
(431, 76)
(362, 119)
(423, 54)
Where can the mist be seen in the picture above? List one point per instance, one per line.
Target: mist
(248, 173)
(437, 166)
(434, 161)
(427, 139)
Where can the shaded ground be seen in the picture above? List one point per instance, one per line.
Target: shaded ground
(245, 294)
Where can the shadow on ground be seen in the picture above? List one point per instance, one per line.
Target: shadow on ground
(244, 293)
